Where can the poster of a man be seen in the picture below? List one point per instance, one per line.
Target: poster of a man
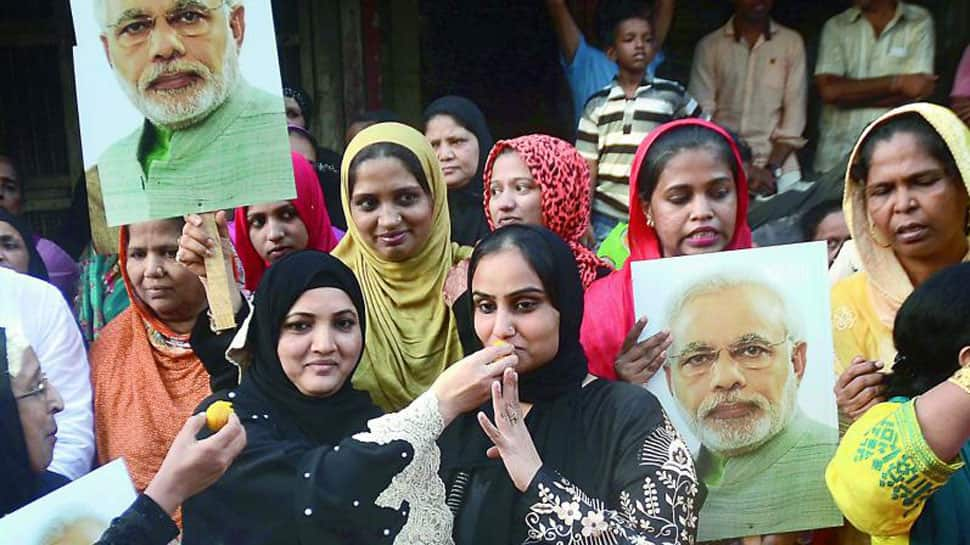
(197, 130)
(77, 513)
(737, 382)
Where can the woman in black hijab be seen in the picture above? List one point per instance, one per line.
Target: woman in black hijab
(557, 458)
(299, 106)
(457, 131)
(32, 264)
(311, 471)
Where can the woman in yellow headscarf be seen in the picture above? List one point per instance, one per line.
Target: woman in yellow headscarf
(906, 204)
(398, 245)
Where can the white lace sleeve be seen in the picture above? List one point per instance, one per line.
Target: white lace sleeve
(420, 424)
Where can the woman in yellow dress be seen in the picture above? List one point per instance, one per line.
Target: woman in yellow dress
(906, 205)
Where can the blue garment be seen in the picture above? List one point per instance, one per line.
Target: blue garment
(590, 71)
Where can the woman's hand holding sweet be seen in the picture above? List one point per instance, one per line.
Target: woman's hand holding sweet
(464, 386)
(513, 443)
(192, 465)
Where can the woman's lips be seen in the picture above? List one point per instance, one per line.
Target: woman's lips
(278, 252)
(911, 233)
(704, 237)
(508, 220)
(322, 367)
(155, 292)
(393, 239)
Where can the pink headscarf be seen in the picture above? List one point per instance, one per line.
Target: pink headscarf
(563, 179)
(609, 306)
(311, 209)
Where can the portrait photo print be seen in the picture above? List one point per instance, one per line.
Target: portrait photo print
(181, 107)
(77, 513)
(748, 382)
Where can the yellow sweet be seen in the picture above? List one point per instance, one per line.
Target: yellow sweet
(499, 342)
(217, 415)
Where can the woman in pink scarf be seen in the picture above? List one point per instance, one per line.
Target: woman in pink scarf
(267, 232)
(688, 195)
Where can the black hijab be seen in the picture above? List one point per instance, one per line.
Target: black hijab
(467, 206)
(302, 99)
(325, 420)
(18, 482)
(553, 389)
(554, 263)
(35, 265)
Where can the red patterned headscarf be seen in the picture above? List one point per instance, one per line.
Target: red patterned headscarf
(563, 179)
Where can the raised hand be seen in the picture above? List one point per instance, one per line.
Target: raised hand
(513, 443)
(195, 244)
(464, 386)
(191, 465)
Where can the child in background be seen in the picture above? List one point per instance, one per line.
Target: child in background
(620, 115)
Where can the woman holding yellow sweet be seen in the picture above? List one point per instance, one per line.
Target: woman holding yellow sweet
(321, 463)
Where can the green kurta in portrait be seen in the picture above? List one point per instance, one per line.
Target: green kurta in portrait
(779, 487)
(238, 155)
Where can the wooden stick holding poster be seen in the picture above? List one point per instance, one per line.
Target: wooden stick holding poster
(219, 279)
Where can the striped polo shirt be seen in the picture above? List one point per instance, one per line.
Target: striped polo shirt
(612, 126)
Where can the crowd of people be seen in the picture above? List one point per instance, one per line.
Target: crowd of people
(436, 339)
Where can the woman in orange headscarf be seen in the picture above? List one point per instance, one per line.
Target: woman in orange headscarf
(145, 376)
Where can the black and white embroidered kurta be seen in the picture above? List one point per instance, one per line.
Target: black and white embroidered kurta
(614, 471)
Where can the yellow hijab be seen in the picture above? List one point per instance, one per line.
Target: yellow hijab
(411, 333)
(889, 285)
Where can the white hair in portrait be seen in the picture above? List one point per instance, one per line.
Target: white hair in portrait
(738, 436)
(727, 280)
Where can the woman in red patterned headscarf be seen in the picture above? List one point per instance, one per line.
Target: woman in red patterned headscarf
(542, 180)
(688, 195)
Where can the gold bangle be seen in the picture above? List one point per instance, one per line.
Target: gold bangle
(961, 378)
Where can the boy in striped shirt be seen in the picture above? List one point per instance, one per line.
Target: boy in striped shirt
(619, 116)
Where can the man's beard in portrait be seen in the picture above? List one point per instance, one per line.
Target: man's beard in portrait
(176, 109)
(736, 436)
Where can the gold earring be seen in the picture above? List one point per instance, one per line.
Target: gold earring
(872, 233)
(650, 219)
